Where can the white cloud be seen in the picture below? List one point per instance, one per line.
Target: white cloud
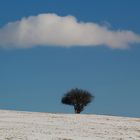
(54, 30)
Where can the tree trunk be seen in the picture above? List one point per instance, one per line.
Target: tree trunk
(77, 109)
(77, 112)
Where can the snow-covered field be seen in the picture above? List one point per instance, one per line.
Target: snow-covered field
(15, 125)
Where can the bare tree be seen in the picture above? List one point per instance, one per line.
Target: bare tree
(78, 98)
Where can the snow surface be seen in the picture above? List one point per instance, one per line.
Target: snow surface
(17, 125)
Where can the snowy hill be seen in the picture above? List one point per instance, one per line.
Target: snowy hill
(15, 125)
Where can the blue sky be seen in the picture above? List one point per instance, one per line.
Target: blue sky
(35, 78)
